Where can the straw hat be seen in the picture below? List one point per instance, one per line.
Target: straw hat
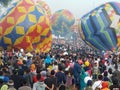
(29, 54)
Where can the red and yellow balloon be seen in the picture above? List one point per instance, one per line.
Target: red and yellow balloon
(25, 25)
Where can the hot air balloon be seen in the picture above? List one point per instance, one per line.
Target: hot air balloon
(61, 22)
(100, 28)
(45, 7)
(22, 25)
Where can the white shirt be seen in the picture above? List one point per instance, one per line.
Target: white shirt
(97, 84)
(39, 86)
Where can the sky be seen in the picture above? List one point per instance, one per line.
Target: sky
(77, 7)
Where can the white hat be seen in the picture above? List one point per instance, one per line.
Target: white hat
(65, 53)
(62, 59)
(10, 82)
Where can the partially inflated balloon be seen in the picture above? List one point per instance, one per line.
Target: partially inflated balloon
(61, 21)
(23, 25)
(100, 28)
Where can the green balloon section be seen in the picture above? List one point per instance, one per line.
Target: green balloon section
(100, 28)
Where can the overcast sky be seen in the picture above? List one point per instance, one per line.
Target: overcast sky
(77, 7)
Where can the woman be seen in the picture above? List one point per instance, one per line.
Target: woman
(82, 77)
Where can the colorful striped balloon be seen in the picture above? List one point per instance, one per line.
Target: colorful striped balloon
(100, 28)
(61, 22)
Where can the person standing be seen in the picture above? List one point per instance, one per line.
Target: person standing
(40, 85)
(116, 74)
(54, 79)
(98, 83)
(24, 86)
(48, 81)
(76, 72)
(11, 85)
(61, 78)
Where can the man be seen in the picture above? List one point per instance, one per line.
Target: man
(76, 72)
(98, 83)
(116, 74)
(24, 86)
(60, 75)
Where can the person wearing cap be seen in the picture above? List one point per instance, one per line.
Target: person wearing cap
(11, 85)
(29, 59)
(76, 72)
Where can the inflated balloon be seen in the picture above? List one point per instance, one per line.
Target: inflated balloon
(45, 43)
(23, 25)
(100, 28)
(45, 7)
(61, 21)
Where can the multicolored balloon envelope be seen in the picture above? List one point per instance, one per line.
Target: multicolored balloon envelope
(61, 21)
(23, 25)
(100, 28)
(46, 8)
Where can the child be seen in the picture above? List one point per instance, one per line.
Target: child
(89, 85)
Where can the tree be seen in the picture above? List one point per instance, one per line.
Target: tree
(4, 2)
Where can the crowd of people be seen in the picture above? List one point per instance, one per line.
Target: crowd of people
(59, 69)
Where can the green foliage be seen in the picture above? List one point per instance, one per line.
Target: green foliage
(5, 2)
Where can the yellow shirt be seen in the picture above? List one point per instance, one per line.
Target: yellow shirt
(4, 87)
